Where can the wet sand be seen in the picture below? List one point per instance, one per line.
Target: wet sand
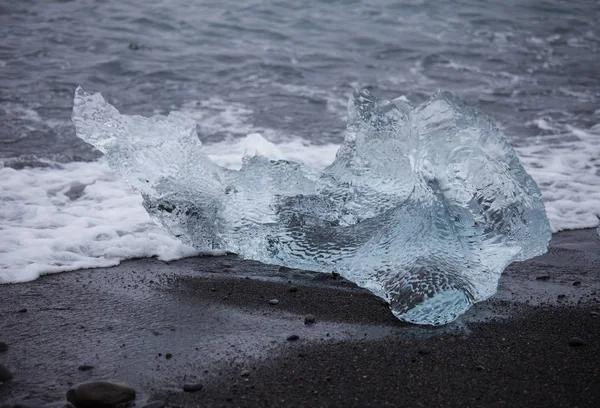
(212, 318)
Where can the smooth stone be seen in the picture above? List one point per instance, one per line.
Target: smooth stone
(3, 346)
(274, 301)
(155, 404)
(576, 342)
(85, 367)
(99, 394)
(309, 319)
(192, 387)
(292, 289)
(576, 283)
(245, 373)
(24, 310)
(293, 337)
(5, 375)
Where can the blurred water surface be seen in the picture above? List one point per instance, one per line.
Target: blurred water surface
(286, 68)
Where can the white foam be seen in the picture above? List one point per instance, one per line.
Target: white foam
(43, 231)
(566, 167)
(215, 115)
(229, 154)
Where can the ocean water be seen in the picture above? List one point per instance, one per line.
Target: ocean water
(272, 77)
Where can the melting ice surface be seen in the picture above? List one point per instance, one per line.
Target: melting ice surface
(424, 206)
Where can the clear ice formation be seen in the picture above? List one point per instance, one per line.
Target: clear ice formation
(424, 206)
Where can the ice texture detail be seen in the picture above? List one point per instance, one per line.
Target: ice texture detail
(424, 206)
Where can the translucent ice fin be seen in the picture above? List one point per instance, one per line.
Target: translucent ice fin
(423, 206)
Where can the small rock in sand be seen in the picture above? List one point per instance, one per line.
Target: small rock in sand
(24, 310)
(292, 289)
(293, 337)
(168, 356)
(99, 394)
(543, 278)
(245, 373)
(3, 346)
(274, 301)
(309, 319)
(85, 367)
(155, 404)
(576, 283)
(5, 375)
(576, 342)
(192, 387)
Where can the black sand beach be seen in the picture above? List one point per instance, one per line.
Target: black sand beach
(157, 326)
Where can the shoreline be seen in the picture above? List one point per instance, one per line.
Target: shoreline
(212, 315)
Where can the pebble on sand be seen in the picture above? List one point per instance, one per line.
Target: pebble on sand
(293, 337)
(245, 373)
(309, 319)
(3, 346)
(192, 387)
(5, 375)
(99, 393)
(293, 289)
(274, 301)
(85, 367)
(576, 342)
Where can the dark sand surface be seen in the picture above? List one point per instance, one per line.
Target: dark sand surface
(213, 316)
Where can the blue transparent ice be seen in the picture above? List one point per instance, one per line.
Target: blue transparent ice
(425, 206)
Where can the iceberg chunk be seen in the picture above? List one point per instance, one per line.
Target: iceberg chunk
(424, 206)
